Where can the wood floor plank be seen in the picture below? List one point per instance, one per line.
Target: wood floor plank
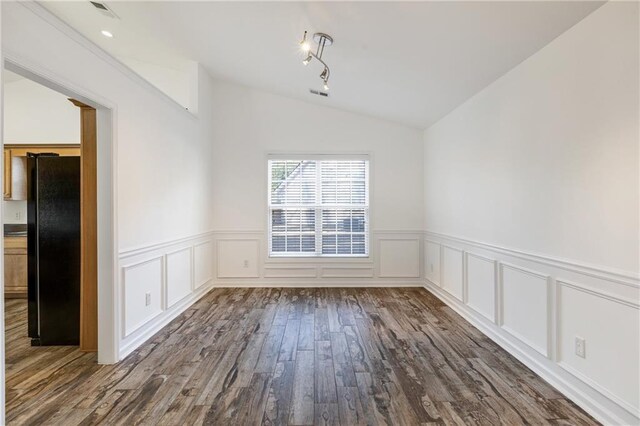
(303, 397)
(374, 356)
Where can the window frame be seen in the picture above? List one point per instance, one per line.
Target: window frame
(317, 254)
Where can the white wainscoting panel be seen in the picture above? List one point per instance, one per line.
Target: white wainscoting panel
(432, 261)
(203, 263)
(238, 258)
(610, 327)
(175, 273)
(525, 306)
(347, 272)
(140, 279)
(542, 303)
(452, 271)
(290, 272)
(481, 285)
(179, 276)
(399, 258)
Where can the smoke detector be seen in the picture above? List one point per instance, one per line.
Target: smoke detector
(104, 9)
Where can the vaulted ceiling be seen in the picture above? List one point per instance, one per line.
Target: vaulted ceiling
(409, 62)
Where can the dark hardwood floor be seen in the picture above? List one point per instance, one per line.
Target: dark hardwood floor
(288, 356)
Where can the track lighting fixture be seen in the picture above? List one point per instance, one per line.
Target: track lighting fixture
(322, 40)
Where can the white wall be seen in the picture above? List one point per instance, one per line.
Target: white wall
(546, 157)
(532, 197)
(161, 165)
(249, 124)
(172, 81)
(36, 114)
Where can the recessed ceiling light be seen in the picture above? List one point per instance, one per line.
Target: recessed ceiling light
(107, 33)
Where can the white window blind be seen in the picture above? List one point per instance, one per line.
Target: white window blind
(318, 207)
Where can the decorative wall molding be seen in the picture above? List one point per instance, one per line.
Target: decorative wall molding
(542, 347)
(348, 271)
(172, 285)
(493, 285)
(401, 259)
(136, 251)
(621, 303)
(596, 404)
(596, 271)
(401, 268)
(315, 283)
(294, 271)
(542, 355)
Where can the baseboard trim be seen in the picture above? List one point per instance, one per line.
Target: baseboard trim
(317, 283)
(148, 330)
(542, 368)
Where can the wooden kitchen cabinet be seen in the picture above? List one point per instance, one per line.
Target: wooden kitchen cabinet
(15, 267)
(15, 179)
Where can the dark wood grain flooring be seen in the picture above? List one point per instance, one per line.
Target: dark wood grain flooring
(288, 356)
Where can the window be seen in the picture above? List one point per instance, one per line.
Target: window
(318, 207)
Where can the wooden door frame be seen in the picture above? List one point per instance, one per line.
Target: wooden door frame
(88, 228)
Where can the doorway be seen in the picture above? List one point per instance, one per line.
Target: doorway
(98, 239)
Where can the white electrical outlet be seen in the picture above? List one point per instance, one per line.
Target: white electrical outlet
(581, 347)
(246, 264)
(147, 299)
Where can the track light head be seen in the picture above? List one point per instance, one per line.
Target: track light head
(326, 86)
(304, 44)
(307, 60)
(325, 74)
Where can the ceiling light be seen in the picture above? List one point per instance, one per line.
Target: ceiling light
(322, 40)
(304, 44)
(107, 33)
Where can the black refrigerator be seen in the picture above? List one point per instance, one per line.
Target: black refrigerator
(53, 248)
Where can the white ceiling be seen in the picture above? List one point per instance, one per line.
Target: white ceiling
(409, 62)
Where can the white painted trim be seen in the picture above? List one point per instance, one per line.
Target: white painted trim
(196, 286)
(627, 278)
(324, 283)
(297, 271)
(123, 299)
(151, 328)
(494, 263)
(217, 257)
(462, 278)
(630, 408)
(543, 351)
(366, 271)
(604, 295)
(136, 251)
(540, 365)
(166, 304)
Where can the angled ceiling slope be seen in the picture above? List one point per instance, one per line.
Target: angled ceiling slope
(409, 62)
